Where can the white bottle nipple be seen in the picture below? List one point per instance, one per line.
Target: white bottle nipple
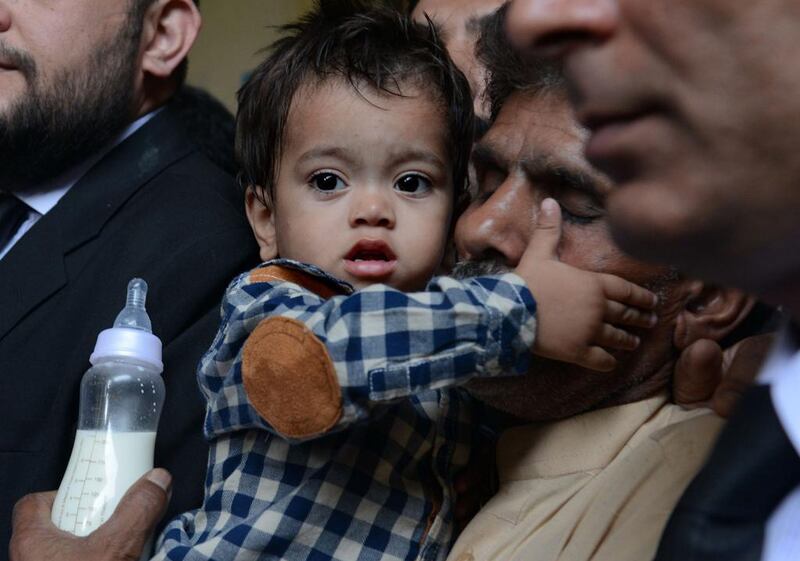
(131, 337)
(134, 315)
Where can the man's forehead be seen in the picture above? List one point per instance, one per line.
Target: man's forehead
(541, 124)
(120, 6)
(456, 15)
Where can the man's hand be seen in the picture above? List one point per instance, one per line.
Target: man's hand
(121, 538)
(581, 315)
(705, 376)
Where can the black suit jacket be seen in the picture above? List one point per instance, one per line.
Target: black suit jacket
(155, 208)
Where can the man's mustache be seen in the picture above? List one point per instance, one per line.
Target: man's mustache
(20, 60)
(482, 268)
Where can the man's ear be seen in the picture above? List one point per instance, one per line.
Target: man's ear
(262, 221)
(170, 29)
(710, 312)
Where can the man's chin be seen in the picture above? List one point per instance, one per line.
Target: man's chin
(553, 391)
(43, 134)
(11, 93)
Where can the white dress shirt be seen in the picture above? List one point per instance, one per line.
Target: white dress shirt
(782, 373)
(41, 199)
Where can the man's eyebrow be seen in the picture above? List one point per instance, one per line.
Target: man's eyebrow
(562, 176)
(485, 154)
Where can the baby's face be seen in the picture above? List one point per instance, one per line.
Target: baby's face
(364, 188)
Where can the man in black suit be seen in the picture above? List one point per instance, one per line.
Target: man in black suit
(692, 107)
(98, 184)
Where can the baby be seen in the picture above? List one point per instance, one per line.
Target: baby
(335, 421)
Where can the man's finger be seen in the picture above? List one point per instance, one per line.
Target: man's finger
(34, 537)
(625, 292)
(136, 516)
(33, 510)
(697, 373)
(547, 233)
(741, 364)
(743, 361)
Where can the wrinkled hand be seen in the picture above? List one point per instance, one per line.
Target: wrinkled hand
(121, 538)
(580, 315)
(707, 376)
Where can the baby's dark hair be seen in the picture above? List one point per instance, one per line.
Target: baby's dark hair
(361, 43)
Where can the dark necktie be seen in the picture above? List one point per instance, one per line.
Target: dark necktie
(12, 214)
(723, 513)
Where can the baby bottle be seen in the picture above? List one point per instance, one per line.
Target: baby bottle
(120, 402)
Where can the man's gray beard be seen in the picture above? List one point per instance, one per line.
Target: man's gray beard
(484, 268)
(61, 121)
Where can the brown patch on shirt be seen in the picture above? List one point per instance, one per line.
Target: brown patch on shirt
(290, 379)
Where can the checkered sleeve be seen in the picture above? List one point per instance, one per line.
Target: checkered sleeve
(385, 344)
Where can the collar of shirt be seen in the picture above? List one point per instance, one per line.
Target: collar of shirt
(576, 444)
(312, 270)
(43, 198)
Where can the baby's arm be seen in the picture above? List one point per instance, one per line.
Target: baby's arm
(581, 315)
(300, 365)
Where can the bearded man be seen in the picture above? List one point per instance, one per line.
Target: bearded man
(589, 466)
(98, 184)
(691, 106)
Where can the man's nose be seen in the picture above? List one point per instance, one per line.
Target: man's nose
(372, 206)
(497, 229)
(553, 27)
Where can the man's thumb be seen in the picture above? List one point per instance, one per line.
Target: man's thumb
(547, 233)
(137, 514)
(697, 373)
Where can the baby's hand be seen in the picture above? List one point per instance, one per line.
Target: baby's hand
(580, 315)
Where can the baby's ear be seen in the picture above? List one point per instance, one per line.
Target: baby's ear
(710, 312)
(262, 221)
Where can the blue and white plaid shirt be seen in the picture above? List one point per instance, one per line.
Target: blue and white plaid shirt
(379, 489)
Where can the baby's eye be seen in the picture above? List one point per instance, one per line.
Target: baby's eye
(327, 182)
(413, 184)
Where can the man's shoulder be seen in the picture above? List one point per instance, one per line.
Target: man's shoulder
(687, 436)
(175, 169)
(155, 207)
(162, 186)
(605, 511)
(195, 187)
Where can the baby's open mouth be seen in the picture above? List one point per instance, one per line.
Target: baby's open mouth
(370, 256)
(370, 260)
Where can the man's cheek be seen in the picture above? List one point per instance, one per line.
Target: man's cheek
(584, 253)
